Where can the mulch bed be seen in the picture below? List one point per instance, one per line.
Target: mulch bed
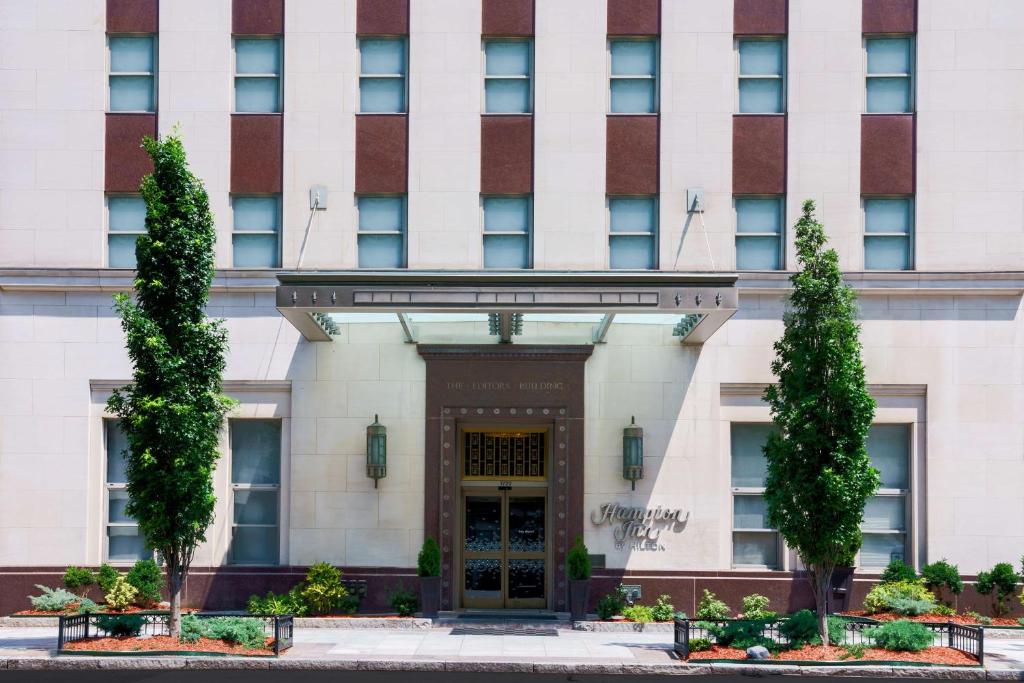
(164, 644)
(73, 609)
(933, 618)
(819, 653)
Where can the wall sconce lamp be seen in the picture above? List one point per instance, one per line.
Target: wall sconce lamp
(376, 450)
(633, 453)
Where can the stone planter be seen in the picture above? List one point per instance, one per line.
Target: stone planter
(430, 596)
(579, 592)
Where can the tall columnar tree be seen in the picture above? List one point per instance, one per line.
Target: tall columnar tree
(819, 474)
(173, 411)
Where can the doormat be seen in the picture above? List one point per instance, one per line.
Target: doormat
(504, 616)
(502, 630)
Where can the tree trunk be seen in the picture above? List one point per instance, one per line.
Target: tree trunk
(821, 582)
(176, 579)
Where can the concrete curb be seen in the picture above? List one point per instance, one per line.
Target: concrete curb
(27, 622)
(354, 623)
(622, 627)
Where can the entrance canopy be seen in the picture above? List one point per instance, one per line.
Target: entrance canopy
(505, 303)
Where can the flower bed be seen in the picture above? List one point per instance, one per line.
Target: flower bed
(72, 609)
(962, 619)
(163, 645)
(944, 656)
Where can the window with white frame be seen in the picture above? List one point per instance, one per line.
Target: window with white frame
(255, 237)
(754, 542)
(257, 75)
(124, 541)
(634, 76)
(507, 232)
(381, 235)
(762, 77)
(886, 513)
(255, 491)
(759, 234)
(890, 74)
(507, 75)
(888, 233)
(132, 73)
(126, 220)
(633, 233)
(382, 71)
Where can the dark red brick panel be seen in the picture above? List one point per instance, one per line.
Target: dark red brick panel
(256, 148)
(383, 17)
(507, 18)
(634, 17)
(631, 164)
(760, 17)
(887, 154)
(125, 160)
(759, 154)
(506, 154)
(132, 16)
(382, 154)
(257, 17)
(889, 16)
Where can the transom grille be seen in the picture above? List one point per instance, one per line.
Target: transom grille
(509, 455)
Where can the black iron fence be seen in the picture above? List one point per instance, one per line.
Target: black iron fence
(83, 626)
(967, 639)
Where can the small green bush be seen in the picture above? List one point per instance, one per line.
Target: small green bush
(404, 601)
(711, 607)
(578, 562)
(122, 595)
(641, 614)
(742, 633)
(1021, 621)
(77, 580)
(756, 607)
(855, 651)
(663, 610)
(87, 606)
(191, 629)
(836, 630)
(148, 580)
(612, 604)
(322, 590)
(944, 611)
(700, 644)
(882, 597)
(911, 608)
(121, 626)
(287, 603)
(902, 635)
(52, 599)
(106, 577)
(898, 571)
(428, 562)
(801, 628)
(243, 631)
(1000, 582)
(942, 575)
(978, 617)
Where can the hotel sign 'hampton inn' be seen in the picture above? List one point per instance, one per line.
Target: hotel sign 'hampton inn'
(639, 528)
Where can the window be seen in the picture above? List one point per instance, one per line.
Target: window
(257, 225)
(255, 491)
(762, 76)
(507, 74)
(633, 226)
(885, 515)
(126, 220)
(634, 80)
(507, 232)
(257, 75)
(382, 75)
(888, 232)
(889, 77)
(754, 542)
(132, 73)
(124, 541)
(381, 232)
(759, 243)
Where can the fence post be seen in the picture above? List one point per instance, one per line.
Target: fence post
(277, 635)
(949, 630)
(981, 646)
(87, 617)
(60, 633)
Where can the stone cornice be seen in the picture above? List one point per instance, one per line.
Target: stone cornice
(900, 283)
(506, 352)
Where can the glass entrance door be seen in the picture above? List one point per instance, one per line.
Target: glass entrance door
(504, 552)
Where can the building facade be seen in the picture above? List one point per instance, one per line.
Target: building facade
(508, 230)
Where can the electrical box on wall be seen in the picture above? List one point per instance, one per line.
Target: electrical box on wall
(632, 593)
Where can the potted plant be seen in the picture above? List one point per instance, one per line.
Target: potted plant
(579, 579)
(429, 568)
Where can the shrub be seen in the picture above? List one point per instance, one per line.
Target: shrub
(756, 607)
(663, 610)
(856, 651)
(836, 630)
(801, 628)
(944, 611)
(742, 633)
(908, 607)
(999, 582)
(942, 575)
(77, 580)
(287, 603)
(641, 614)
(148, 580)
(121, 626)
(711, 607)
(428, 562)
(87, 606)
(404, 601)
(243, 631)
(578, 562)
(1021, 621)
(322, 590)
(191, 629)
(700, 644)
(900, 635)
(882, 597)
(106, 577)
(898, 571)
(122, 595)
(53, 599)
(611, 605)
(978, 617)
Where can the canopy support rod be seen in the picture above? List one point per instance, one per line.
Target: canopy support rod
(601, 331)
(410, 335)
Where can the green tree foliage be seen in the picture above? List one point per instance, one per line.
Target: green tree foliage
(148, 580)
(106, 577)
(77, 580)
(898, 570)
(942, 575)
(428, 562)
(578, 561)
(711, 608)
(173, 411)
(999, 582)
(819, 475)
